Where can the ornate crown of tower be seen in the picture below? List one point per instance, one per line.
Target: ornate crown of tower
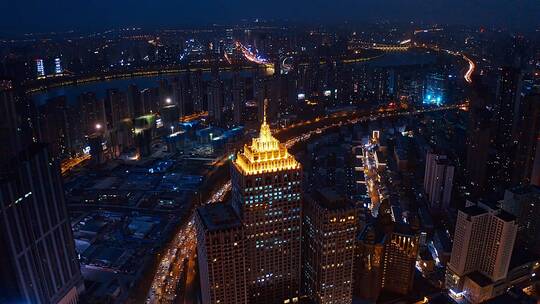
(265, 154)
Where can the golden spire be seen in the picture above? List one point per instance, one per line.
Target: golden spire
(266, 153)
(265, 106)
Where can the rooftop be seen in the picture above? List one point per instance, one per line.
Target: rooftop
(218, 216)
(505, 216)
(479, 279)
(474, 210)
(328, 198)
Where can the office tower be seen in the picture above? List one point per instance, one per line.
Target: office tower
(92, 112)
(164, 91)
(412, 89)
(181, 93)
(116, 108)
(197, 91)
(507, 106)
(134, 101)
(10, 130)
(229, 46)
(238, 98)
(58, 66)
(478, 144)
(149, 99)
(39, 263)
(54, 127)
(97, 148)
(436, 89)
(438, 180)
(386, 253)
(215, 101)
(220, 251)
(400, 254)
(329, 232)
(523, 202)
(40, 68)
(368, 264)
(483, 243)
(528, 134)
(266, 193)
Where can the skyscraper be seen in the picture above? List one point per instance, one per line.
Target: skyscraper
(40, 68)
(386, 254)
(238, 98)
(197, 91)
(215, 101)
(220, 239)
(38, 263)
(329, 233)
(266, 193)
(528, 134)
(38, 259)
(438, 180)
(483, 243)
(58, 66)
(523, 202)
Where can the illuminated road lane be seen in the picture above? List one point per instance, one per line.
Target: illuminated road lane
(470, 71)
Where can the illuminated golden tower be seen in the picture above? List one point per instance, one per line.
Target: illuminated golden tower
(266, 194)
(265, 154)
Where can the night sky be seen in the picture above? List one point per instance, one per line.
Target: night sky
(46, 15)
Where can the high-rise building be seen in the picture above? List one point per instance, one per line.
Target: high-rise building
(438, 180)
(266, 193)
(435, 89)
(528, 134)
(369, 253)
(92, 113)
(215, 101)
(507, 106)
(181, 93)
(197, 91)
(483, 243)
(523, 202)
(40, 68)
(238, 98)
(116, 107)
(478, 144)
(10, 124)
(58, 66)
(134, 101)
(54, 126)
(386, 254)
(220, 248)
(38, 262)
(329, 234)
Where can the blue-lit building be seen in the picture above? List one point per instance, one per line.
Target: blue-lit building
(435, 89)
(40, 68)
(58, 66)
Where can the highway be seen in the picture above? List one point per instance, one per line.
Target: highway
(69, 164)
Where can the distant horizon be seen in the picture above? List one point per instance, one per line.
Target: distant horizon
(28, 16)
(300, 25)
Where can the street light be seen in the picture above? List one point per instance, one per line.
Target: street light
(98, 126)
(168, 100)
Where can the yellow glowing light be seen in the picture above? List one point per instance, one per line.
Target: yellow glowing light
(265, 154)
